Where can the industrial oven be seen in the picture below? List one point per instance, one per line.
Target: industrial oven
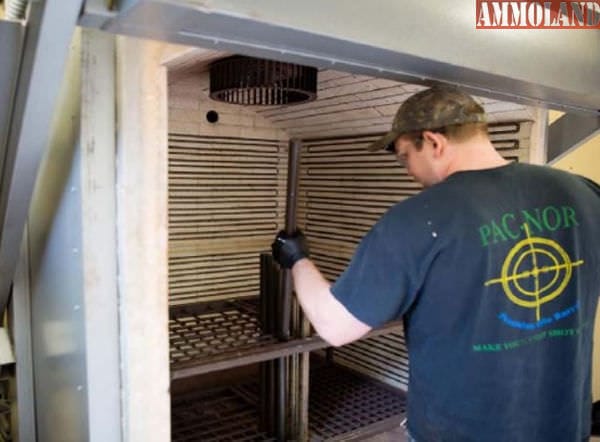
(167, 227)
(244, 363)
(143, 298)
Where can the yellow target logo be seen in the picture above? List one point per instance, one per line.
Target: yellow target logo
(535, 271)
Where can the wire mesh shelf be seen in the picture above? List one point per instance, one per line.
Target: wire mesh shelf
(207, 337)
(198, 332)
(343, 406)
(217, 415)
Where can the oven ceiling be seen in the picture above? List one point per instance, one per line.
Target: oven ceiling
(405, 41)
(346, 104)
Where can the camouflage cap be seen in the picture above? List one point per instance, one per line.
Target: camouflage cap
(434, 108)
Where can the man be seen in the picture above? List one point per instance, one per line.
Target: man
(494, 267)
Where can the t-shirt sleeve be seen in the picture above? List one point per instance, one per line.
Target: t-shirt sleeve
(377, 287)
(592, 185)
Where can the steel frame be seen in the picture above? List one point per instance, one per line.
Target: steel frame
(50, 26)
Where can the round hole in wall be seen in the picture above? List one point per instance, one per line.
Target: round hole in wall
(212, 116)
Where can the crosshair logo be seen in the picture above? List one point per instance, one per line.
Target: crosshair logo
(535, 271)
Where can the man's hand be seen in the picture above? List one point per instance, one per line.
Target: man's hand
(287, 249)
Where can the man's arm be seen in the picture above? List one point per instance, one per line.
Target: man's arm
(330, 318)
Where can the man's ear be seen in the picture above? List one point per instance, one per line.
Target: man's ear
(437, 140)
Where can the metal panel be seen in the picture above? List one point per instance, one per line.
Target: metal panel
(57, 280)
(74, 306)
(49, 32)
(95, 13)
(21, 320)
(399, 40)
(11, 41)
(58, 323)
(570, 131)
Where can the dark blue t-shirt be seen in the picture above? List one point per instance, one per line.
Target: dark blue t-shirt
(496, 273)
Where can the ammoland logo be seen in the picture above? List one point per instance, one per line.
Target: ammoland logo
(506, 14)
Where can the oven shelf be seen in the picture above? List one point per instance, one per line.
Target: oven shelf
(343, 405)
(216, 415)
(207, 337)
(201, 331)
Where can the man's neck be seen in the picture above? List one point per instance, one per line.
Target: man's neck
(475, 154)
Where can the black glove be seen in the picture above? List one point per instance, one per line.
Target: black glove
(287, 249)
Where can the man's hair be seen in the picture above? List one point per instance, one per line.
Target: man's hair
(456, 132)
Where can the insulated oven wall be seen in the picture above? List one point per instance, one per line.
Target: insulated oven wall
(226, 193)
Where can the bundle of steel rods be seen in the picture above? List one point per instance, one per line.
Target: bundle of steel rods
(272, 373)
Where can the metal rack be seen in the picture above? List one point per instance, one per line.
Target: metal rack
(203, 333)
(231, 325)
(224, 414)
(343, 406)
(213, 336)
